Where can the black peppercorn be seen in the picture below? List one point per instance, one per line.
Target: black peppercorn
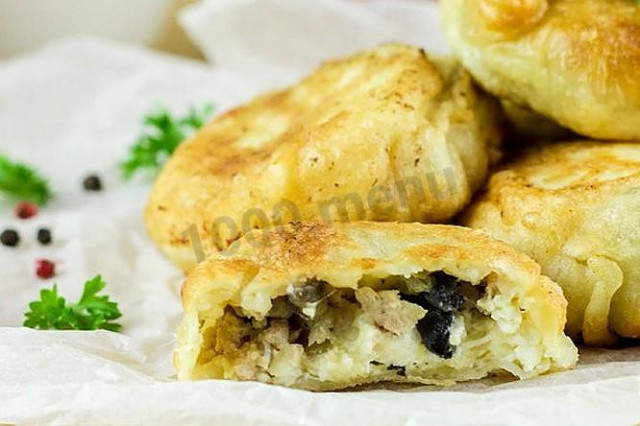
(44, 236)
(92, 183)
(9, 238)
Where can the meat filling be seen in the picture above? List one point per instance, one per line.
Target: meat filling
(301, 324)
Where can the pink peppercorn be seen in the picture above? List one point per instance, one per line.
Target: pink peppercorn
(45, 269)
(25, 210)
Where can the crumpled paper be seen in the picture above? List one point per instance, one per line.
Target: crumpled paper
(276, 42)
(73, 108)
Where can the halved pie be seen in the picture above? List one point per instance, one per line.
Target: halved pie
(325, 307)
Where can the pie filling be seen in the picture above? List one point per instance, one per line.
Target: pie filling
(429, 326)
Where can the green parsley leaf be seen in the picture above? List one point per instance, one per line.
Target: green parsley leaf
(91, 312)
(22, 182)
(161, 135)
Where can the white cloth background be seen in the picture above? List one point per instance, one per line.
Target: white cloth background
(278, 41)
(73, 108)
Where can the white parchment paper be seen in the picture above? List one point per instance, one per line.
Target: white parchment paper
(73, 108)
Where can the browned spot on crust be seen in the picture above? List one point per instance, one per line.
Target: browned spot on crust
(298, 243)
(512, 16)
(366, 263)
(179, 241)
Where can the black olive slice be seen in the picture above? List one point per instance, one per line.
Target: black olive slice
(434, 330)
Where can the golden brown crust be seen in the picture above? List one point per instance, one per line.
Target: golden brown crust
(373, 120)
(576, 61)
(314, 246)
(342, 255)
(575, 208)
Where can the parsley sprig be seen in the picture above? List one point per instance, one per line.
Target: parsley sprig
(91, 312)
(22, 182)
(161, 135)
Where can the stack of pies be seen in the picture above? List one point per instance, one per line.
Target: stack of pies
(320, 225)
